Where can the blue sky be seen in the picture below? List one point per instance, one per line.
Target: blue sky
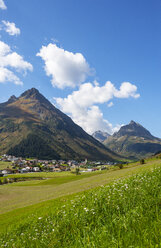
(84, 44)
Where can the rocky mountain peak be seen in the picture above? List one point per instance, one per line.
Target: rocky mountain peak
(100, 135)
(13, 98)
(35, 96)
(134, 129)
(133, 141)
(132, 122)
(30, 93)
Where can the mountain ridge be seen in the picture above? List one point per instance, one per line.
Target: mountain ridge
(133, 141)
(134, 129)
(31, 115)
(100, 135)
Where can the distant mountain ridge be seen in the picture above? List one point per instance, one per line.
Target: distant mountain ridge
(133, 141)
(100, 136)
(30, 126)
(134, 129)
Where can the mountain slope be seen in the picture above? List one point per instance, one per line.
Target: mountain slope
(133, 141)
(100, 136)
(31, 126)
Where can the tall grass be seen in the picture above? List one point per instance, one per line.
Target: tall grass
(124, 214)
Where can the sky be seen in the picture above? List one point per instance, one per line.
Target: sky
(98, 61)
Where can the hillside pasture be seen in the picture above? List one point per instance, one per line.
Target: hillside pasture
(5, 165)
(124, 213)
(21, 194)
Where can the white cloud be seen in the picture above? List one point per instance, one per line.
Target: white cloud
(110, 104)
(11, 60)
(81, 104)
(10, 28)
(92, 120)
(89, 94)
(8, 76)
(67, 69)
(2, 5)
(126, 90)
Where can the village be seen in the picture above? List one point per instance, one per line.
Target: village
(28, 165)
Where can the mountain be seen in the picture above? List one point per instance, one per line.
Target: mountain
(30, 126)
(100, 136)
(133, 141)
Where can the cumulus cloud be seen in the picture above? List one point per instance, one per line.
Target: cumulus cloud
(89, 94)
(11, 60)
(126, 90)
(2, 5)
(10, 28)
(92, 120)
(81, 104)
(66, 69)
(8, 76)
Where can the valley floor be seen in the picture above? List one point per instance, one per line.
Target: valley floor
(21, 194)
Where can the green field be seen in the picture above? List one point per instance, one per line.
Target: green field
(4, 165)
(66, 210)
(21, 194)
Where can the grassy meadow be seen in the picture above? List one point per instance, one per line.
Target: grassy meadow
(25, 193)
(4, 165)
(114, 208)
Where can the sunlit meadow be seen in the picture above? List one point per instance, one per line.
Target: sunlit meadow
(125, 213)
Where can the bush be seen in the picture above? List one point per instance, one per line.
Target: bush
(5, 181)
(77, 171)
(10, 180)
(15, 179)
(142, 161)
(120, 166)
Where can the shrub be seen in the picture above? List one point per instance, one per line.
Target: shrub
(120, 166)
(10, 180)
(77, 171)
(142, 161)
(15, 179)
(5, 180)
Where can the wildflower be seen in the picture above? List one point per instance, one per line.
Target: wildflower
(86, 209)
(39, 218)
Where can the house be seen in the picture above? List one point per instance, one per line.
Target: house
(36, 169)
(7, 171)
(95, 169)
(28, 168)
(23, 170)
(56, 170)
